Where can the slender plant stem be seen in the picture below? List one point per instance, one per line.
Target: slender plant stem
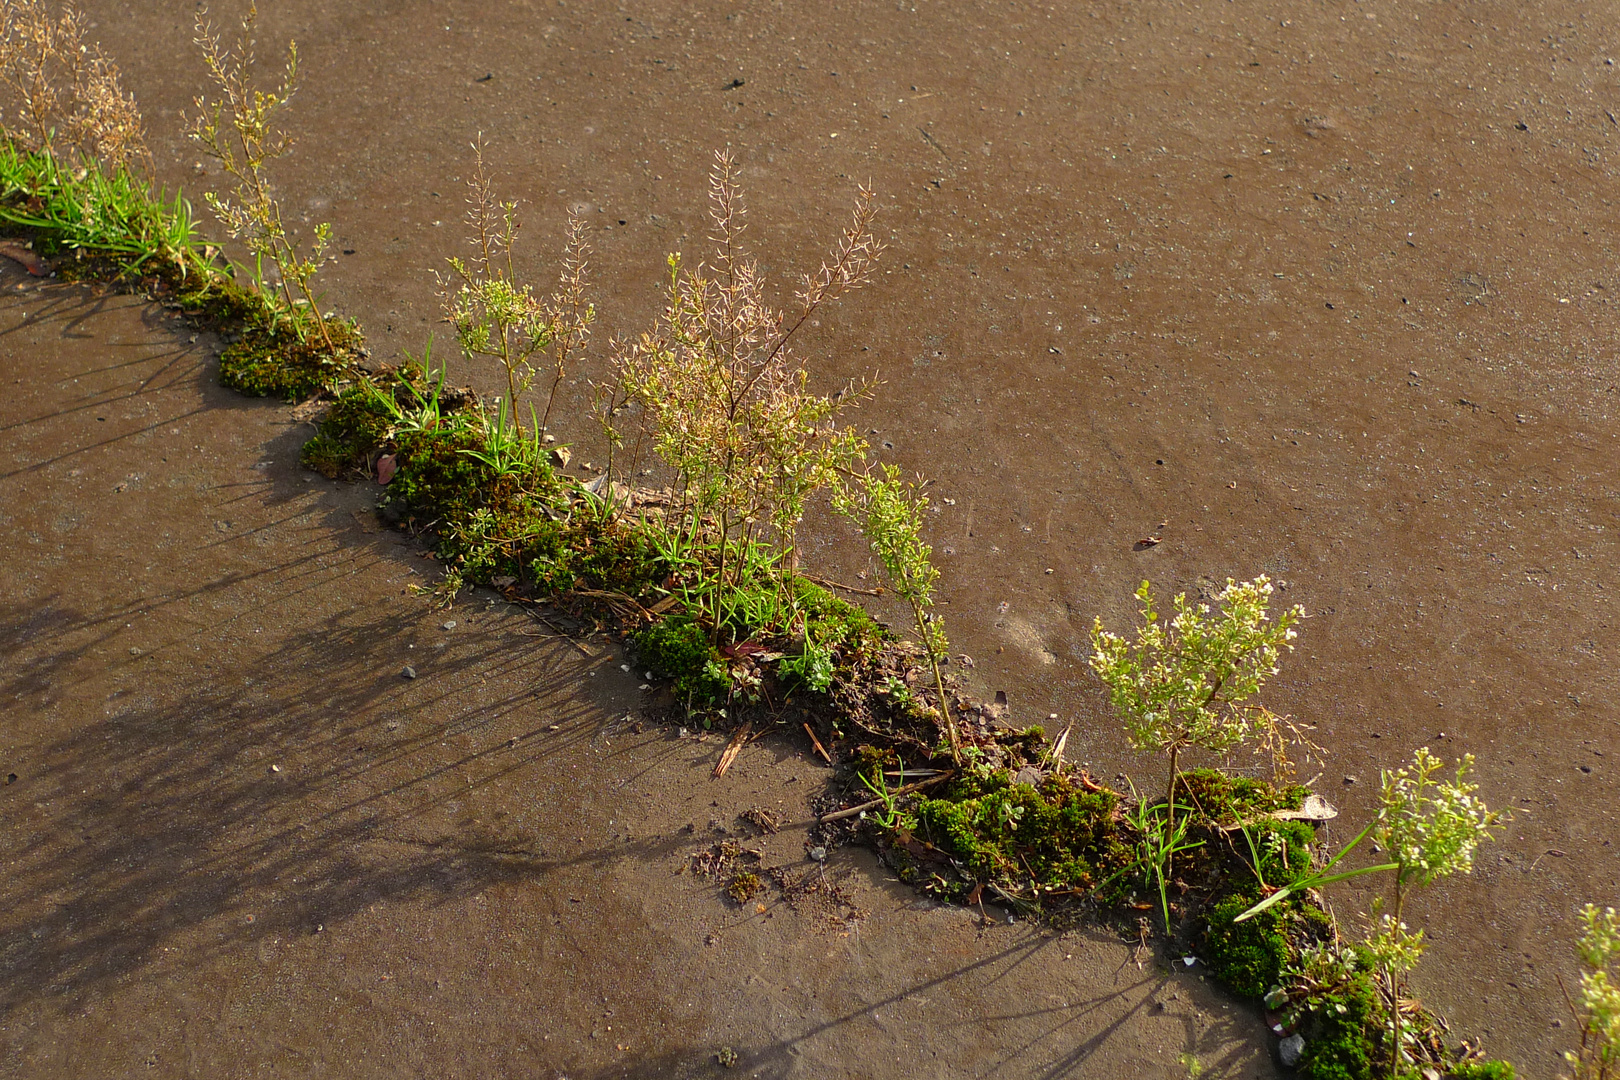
(1170, 803)
(545, 421)
(1394, 985)
(939, 682)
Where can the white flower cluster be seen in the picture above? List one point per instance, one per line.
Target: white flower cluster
(1178, 684)
(1600, 949)
(1431, 828)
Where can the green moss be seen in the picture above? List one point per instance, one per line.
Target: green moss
(1482, 1070)
(1249, 956)
(270, 359)
(678, 648)
(326, 456)
(594, 550)
(1064, 838)
(354, 427)
(436, 480)
(1225, 800)
(833, 621)
(745, 885)
(1341, 1035)
(217, 300)
(869, 760)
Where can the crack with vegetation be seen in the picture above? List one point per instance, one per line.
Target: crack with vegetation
(685, 545)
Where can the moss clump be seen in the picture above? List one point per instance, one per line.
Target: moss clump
(593, 549)
(356, 425)
(744, 886)
(1249, 956)
(832, 621)
(1002, 832)
(1482, 1070)
(1340, 1034)
(326, 456)
(436, 480)
(215, 299)
(520, 522)
(678, 648)
(271, 359)
(1226, 800)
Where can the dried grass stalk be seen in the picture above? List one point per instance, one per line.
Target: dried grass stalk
(64, 90)
(724, 397)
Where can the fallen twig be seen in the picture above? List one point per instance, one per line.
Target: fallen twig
(846, 588)
(838, 815)
(560, 632)
(822, 750)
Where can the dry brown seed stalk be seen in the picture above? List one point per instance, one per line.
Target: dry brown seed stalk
(238, 130)
(722, 394)
(67, 90)
(498, 317)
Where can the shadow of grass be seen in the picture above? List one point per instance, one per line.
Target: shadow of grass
(268, 803)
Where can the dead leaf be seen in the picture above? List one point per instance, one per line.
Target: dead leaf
(30, 262)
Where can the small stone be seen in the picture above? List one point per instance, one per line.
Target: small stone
(818, 853)
(407, 672)
(275, 768)
(624, 667)
(451, 625)
(1290, 1050)
(1349, 779)
(554, 727)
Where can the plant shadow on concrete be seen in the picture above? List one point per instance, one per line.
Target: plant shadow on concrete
(1055, 1050)
(192, 830)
